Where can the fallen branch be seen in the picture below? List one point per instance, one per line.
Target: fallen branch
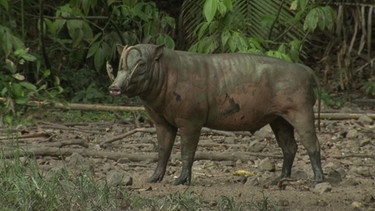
(341, 116)
(79, 106)
(353, 156)
(119, 137)
(135, 157)
(42, 134)
(59, 144)
(153, 130)
(64, 127)
(99, 107)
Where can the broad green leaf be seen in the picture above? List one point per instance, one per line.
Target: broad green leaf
(57, 81)
(209, 9)
(224, 37)
(107, 51)
(58, 25)
(228, 4)
(87, 31)
(86, 4)
(109, 2)
(303, 4)
(46, 73)
(43, 87)
(17, 90)
(294, 5)
(278, 54)
(202, 28)
(7, 43)
(21, 100)
(4, 91)
(4, 3)
(28, 85)
(254, 44)
(11, 66)
(93, 49)
(232, 42)
(99, 59)
(28, 57)
(18, 77)
(8, 119)
(213, 27)
(75, 30)
(166, 40)
(221, 8)
(267, 20)
(311, 20)
(169, 42)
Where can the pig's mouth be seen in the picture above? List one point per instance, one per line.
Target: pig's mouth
(115, 91)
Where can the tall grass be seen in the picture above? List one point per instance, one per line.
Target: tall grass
(24, 186)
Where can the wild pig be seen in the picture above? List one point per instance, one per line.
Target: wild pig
(234, 92)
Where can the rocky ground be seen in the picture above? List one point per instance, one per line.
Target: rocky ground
(239, 166)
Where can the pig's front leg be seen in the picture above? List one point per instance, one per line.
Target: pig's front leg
(189, 142)
(166, 135)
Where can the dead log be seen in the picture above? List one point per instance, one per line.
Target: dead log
(79, 106)
(353, 156)
(43, 134)
(119, 137)
(99, 107)
(134, 157)
(341, 116)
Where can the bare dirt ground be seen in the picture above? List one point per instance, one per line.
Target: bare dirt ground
(348, 159)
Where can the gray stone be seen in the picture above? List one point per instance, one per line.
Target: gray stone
(77, 164)
(230, 140)
(253, 181)
(116, 178)
(322, 187)
(361, 170)
(365, 142)
(266, 165)
(264, 132)
(356, 204)
(365, 119)
(352, 134)
(256, 146)
(351, 181)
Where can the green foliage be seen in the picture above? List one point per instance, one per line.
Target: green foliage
(226, 27)
(14, 87)
(332, 101)
(26, 187)
(68, 46)
(369, 88)
(90, 41)
(319, 16)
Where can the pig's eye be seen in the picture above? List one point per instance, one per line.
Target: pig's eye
(141, 64)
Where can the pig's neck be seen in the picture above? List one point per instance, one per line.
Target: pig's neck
(155, 95)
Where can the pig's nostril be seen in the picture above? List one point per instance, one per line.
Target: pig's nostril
(115, 91)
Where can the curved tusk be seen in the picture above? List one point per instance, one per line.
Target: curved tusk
(121, 57)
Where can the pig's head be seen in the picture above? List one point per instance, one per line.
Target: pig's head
(135, 69)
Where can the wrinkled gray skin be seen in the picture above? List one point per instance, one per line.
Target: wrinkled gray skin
(234, 92)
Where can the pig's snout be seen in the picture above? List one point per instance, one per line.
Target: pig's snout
(114, 90)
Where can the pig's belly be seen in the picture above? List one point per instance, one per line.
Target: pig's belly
(240, 122)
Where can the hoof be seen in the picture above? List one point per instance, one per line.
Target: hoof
(154, 179)
(181, 181)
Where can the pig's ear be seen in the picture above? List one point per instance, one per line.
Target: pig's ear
(158, 52)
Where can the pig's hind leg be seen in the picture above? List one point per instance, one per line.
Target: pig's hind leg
(284, 133)
(303, 122)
